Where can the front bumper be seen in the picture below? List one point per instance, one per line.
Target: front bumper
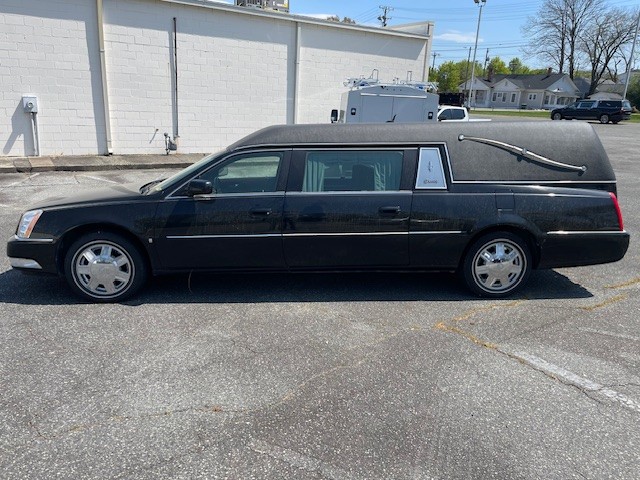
(34, 255)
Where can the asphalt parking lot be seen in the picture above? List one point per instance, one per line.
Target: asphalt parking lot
(322, 376)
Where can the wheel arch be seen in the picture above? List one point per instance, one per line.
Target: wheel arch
(72, 235)
(522, 232)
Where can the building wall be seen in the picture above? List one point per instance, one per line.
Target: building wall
(236, 73)
(47, 48)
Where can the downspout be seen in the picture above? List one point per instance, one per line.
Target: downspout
(103, 73)
(296, 76)
(176, 133)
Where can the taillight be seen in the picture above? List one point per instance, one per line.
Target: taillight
(618, 211)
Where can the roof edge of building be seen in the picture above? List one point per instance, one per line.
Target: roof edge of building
(294, 18)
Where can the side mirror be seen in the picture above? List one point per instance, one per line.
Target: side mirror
(199, 187)
(334, 116)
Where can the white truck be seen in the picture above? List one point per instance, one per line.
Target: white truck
(380, 103)
(397, 102)
(450, 113)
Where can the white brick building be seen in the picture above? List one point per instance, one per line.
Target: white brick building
(238, 70)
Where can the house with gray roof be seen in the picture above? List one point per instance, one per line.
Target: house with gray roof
(541, 91)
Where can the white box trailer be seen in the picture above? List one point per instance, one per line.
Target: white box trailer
(387, 103)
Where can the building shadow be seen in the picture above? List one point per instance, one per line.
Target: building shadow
(20, 127)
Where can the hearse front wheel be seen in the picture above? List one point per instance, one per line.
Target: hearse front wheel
(604, 118)
(497, 264)
(556, 116)
(104, 267)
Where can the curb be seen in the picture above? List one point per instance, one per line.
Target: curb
(96, 163)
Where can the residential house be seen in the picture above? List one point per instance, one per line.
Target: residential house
(541, 91)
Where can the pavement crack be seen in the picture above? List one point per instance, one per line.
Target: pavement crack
(615, 299)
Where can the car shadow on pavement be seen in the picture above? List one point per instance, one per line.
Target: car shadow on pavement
(16, 288)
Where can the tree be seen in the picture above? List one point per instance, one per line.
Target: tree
(450, 75)
(603, 42)
(633, 94)
(497, 66)
(335, 18)
(555, 30)
(516, 67)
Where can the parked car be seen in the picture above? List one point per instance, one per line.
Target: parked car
(450, 113)
(490, 201)
(603, 110)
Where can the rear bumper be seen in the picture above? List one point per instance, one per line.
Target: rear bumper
(32, 255)
(574, 249)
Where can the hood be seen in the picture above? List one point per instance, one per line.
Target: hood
(113, 194)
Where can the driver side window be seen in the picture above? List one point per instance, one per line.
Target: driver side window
(250, 173)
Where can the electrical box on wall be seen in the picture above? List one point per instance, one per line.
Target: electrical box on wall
(30, 103)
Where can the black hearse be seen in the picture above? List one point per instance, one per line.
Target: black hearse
(490, 201)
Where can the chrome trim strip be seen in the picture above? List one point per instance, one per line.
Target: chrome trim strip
(588, 232)
(350, 192)
(33, 240)
(344, 234)
(24, 263)
(533, 182)
(316, 234)
(213, 196)
(190, 237)
(437, 232)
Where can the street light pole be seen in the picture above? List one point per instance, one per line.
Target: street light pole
(481, 3)
(630, 64)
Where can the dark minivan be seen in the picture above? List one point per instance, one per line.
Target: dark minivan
(604, 111)
(490, 201)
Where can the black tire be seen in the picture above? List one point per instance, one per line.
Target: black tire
(604, 118)
(556, 116)
(104, 267)
(497, 264)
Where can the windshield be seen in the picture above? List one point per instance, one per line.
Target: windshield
(182, 174)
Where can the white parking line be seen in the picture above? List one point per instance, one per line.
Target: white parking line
(97, 178)
(21, 181)
(576, 380)
(610, 334)
(299, 460)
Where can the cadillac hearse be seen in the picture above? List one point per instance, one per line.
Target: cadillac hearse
(491, 201)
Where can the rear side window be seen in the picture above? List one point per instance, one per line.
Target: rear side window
(352, 170)
(430, 171)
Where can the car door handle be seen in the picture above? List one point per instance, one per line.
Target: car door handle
(393, 210)
(260, 211)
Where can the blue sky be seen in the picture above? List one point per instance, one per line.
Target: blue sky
(455, 22)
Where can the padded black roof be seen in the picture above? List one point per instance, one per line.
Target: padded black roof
(573, 143)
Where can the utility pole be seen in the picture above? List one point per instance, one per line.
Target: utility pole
(383, 18)
(466, 73)
(486, 60)
(434, 55)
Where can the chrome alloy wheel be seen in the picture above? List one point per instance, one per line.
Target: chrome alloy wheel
(103, 269)
(499, 266)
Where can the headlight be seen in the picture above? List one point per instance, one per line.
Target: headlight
(27, 222)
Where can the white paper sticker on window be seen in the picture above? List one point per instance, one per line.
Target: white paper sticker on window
(430, 171)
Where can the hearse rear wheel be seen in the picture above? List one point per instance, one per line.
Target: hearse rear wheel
(104, 267)
(497, 264)
(604, 118)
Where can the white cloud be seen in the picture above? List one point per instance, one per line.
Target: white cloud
(457, 37)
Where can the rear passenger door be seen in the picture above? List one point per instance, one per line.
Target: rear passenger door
(348, 208)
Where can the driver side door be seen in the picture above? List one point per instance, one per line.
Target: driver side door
(238, 226)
